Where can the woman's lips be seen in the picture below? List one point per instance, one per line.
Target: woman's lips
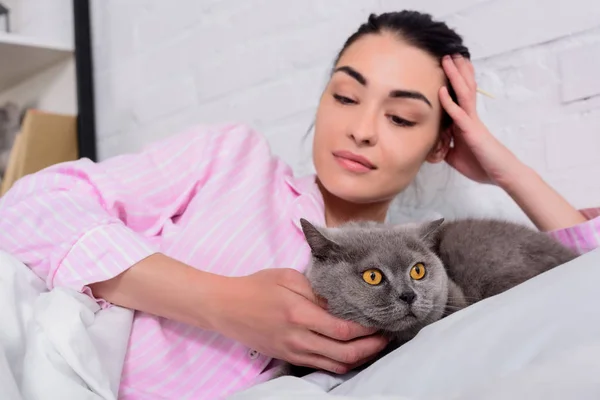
(353, 162)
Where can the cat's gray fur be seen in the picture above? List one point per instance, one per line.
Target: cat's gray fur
(488, 257)
(340, 256)
(466, 261)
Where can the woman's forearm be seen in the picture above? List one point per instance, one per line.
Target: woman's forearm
(165, 287)
(546, 208)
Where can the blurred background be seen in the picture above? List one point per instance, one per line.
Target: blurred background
(161, 66)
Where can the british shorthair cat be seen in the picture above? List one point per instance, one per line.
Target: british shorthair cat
(401, 278)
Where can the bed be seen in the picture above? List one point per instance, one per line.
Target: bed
(540, 340)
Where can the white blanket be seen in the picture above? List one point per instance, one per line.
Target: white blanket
(540, 340)
(56, 345)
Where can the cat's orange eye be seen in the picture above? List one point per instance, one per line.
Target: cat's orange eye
(417, 272)
(372, 276)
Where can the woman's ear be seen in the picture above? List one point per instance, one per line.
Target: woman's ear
(440, 150)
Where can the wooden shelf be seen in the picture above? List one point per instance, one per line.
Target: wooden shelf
(22, 57)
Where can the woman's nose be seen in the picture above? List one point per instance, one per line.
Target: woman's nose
(364, 132)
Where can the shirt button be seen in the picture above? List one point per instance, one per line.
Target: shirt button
(253, 354)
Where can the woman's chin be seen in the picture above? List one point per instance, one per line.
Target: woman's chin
(357, 192)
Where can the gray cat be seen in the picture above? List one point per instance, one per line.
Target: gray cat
(401, 278)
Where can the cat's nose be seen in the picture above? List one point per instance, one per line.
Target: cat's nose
(408, 297)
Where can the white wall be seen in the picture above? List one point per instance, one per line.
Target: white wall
(48, 21)
(161, 66)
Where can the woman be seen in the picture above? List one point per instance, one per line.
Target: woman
(200, 233)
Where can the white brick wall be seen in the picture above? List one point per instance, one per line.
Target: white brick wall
(49, 20)
(161, 66)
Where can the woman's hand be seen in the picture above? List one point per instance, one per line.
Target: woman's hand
(275, 312)
(476, 153)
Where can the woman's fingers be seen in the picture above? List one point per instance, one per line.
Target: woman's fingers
(327, 364)
(458, 115)
(349, 353)
(466, 97)
(338, 357)
(472, 75)
(322, 363)
(465, 67)
(318, 320)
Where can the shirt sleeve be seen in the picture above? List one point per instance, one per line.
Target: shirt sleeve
(581, 238)
(82, 222)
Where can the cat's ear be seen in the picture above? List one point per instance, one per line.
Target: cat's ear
(320, 246)
(429, 231)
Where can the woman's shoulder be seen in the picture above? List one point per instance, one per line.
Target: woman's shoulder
(231, 142)
(235, 147)
(241, 142)
(232, 134)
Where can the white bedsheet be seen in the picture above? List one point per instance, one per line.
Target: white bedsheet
(56, 345)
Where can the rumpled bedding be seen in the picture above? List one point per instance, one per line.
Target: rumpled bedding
(58, 344)
(540, 340)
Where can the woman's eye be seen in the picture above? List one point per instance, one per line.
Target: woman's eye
(401, 121)
(343, 99)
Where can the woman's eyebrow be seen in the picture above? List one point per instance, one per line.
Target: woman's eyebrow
(410, 94)
(398, 93)
(360, 78)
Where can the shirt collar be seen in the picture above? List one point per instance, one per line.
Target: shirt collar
(309, 203)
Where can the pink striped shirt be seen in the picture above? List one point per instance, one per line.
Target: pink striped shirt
(214, 198)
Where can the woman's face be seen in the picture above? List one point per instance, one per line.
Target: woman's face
(378, 120)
